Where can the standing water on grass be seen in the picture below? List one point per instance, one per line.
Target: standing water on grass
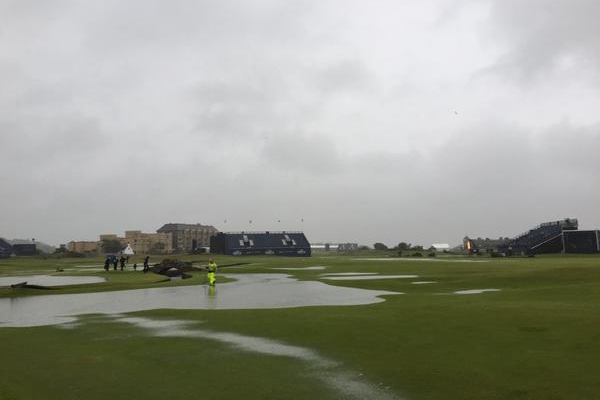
(48, 280)
(249, 291)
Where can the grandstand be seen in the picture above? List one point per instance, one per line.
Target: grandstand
(248, 243)
(5, 248)
(554, 237)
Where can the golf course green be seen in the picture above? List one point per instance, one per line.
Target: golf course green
(456, 327)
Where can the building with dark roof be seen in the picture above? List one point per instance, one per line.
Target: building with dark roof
(5, 248)
(188, 237)
(25, 249)
(248, 243)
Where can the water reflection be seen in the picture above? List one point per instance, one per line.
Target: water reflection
(212, 291)
(249, 291)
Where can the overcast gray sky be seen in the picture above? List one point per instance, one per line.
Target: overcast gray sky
(360, 121)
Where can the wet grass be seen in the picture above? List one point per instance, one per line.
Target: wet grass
(115, 280)
(537, 338)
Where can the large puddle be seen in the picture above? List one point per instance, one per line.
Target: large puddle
(475, 291)
(49, 280)
(368, 277)
(426, 259)
(249, 291)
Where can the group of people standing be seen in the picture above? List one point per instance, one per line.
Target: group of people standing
(114, 261)
(211, 267)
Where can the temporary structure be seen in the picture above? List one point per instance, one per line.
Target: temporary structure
(128, 251)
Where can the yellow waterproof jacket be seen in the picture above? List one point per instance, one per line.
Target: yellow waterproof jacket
(212, 266)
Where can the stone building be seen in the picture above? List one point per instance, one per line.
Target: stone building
(144, 243)
(188, 237)
(83, 246)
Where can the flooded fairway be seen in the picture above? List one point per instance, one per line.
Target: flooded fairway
(49, 280)
(475, 291)
(249, 291)
(367, 277)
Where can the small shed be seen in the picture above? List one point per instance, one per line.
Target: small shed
(128, 251)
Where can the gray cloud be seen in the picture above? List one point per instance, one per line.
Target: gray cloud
(355, 121)
(545, 37)
(315, 154)
(344, 76)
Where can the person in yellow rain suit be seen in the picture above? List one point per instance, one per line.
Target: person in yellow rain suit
(212, 270)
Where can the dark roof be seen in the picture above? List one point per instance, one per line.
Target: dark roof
(267, 239)
(281, 243)
(173, 227)
(5, 248)
(4, 244)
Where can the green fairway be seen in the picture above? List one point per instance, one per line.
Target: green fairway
(536, 337)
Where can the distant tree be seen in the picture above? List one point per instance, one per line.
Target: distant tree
(402, 246)
(431, 248)
(417, 248)
(380, 246)
(110, 246)
(61, 249)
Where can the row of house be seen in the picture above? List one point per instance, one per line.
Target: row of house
(170, 238)
(186, 238)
